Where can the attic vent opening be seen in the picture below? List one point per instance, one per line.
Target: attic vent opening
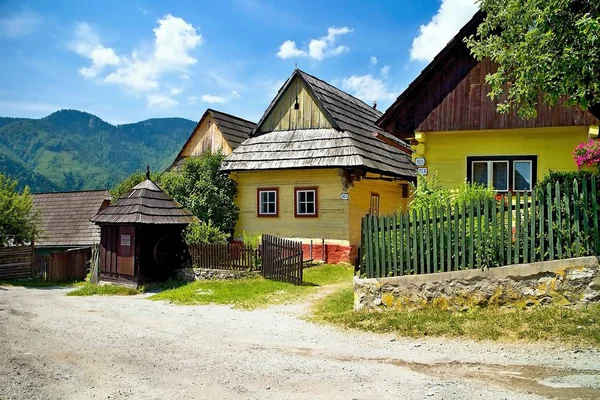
(296, 104)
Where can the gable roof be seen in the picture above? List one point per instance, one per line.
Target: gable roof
(451, 94)
(146, 203)
(352, 141)
(234, 130)
(66, 217)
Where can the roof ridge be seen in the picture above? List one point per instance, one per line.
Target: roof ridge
(74, 191)
(211, 110)
(339, 90)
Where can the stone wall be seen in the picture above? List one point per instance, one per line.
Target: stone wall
(199, 274)
(563, 282)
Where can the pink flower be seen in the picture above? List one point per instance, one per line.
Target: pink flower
(587, 154)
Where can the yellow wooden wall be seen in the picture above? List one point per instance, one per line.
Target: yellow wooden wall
(331, 224)
(390, 201)
(209, 132)
(447, 152)
(338, 221)
(284, 117)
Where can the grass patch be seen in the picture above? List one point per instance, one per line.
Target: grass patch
(253, 293)
(552, 323)
(40, 284)
(104, 290)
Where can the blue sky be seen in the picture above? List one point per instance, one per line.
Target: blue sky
(126, 61)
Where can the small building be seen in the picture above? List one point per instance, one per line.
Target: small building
(315, 164)
(141, 235)
(216, 131)
(455, 130)
(67, 235)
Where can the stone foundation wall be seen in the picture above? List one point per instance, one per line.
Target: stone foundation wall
(198, 274)
(563, 282)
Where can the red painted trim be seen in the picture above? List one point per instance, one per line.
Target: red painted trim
(316, 214)
(267, 189)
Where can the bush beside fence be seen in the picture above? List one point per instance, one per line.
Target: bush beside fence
(555, 222)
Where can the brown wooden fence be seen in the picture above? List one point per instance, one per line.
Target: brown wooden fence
(282, 259)
(16, 262)
(236, 256)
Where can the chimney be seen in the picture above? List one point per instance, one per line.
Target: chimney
(374, 105)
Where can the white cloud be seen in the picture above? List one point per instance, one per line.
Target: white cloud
(192, 100)
(21, 24)
(373, 60)
(174, 39)
(288, 49)
(318, 49)
(212, 99)
(209, 98)
(175, 91)
(433, 36)
(160, 101)
(385, 71)
(367, 88)
(87, 44)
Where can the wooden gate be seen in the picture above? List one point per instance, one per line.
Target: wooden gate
(281, 259)
(16, 262)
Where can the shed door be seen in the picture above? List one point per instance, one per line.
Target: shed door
(125, 253)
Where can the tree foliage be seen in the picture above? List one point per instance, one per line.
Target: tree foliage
(204, 191)
(547, 50)
(202, 232)
(19, 222)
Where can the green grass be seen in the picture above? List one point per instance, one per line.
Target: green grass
(40, 284)
(105, 290)
(256, 292)
(551, 323)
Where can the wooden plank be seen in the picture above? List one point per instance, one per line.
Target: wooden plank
(576, 200)
(376, 247)
(421, 245)
(595, 216)
(471, 234)
(566, 202)
(502, 232)
(427, 230)
(525, 228)
(558, 200)
(518, 228)
(479, 244)
(435, 263)
(532, 219)
(449, 238)
(542, 225)
(394, 226)
(463, 242)
(509, 244)
(414, 233)
(586, 220)
(550, 227)
(369, 248)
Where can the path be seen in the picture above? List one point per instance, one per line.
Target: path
(58, 347)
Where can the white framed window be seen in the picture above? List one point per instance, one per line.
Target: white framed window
(503, 173)
(522, 175)
(374, 204)
(306, 202)
(493, 174)
(267, 202)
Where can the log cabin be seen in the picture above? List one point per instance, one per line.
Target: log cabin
(314, 165)
(455, 131)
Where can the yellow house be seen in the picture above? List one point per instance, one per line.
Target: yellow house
(216, 131)
(314, 166)
(455, 130)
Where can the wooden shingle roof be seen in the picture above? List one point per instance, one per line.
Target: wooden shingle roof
(352, 141)
(66, 217)
(234, 129)
(146, 203)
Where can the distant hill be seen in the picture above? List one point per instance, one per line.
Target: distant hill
(73, 150)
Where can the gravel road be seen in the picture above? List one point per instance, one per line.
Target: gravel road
(58, 347)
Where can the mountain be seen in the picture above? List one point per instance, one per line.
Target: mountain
(75, 150)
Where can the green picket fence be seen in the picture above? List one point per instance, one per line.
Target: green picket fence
(555, 222)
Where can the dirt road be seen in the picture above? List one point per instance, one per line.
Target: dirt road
(58, 347)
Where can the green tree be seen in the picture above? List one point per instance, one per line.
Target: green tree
(204, 190)
(19, 222)
(547, 50)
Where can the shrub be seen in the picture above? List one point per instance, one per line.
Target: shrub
(567, 177)
(428, 193)
(252, 239)
(468, 192)
(19, 221)
(201, 232)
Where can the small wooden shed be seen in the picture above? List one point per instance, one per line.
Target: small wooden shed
(141, 235)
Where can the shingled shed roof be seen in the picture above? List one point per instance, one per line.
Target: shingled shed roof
(66, 217)
(146, 203)
(352, 141)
